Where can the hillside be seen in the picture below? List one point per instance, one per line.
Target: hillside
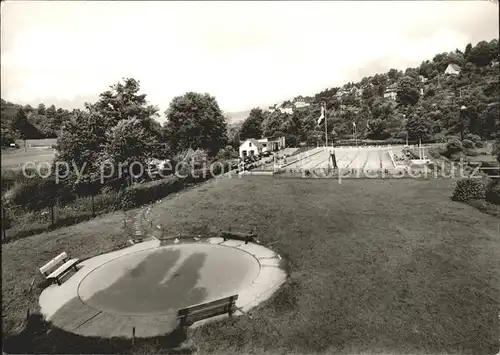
(423, 102)
(18, 122)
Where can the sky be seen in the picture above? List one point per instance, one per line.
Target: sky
(246, 54)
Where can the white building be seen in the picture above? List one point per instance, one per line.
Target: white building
(390, 92)
(250, 147)
(272, 144)
(253, 147)
(300, 102)
(287, 109)
(452, 69)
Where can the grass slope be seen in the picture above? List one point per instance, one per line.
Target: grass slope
(380, 266)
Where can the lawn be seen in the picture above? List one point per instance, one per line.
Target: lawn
(379, 266)
(16, 158)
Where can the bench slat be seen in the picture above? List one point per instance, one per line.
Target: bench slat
(53, 263)
(192, 318)
(207, 309)
(63, 268)
(198, 312)
(219, 302)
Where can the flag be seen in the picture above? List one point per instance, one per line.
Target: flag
(354, 124)
(321, 118)
(367, 125)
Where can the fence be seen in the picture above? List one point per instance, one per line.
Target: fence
(17, 222)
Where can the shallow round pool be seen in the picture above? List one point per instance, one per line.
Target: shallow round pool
(166, 279)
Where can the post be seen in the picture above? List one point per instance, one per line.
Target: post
(133, 335)
(92, 205)
(52, 215)
(461, 124)
(326, 126)
(4, 228)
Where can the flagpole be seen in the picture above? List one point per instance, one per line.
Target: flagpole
(326, 127)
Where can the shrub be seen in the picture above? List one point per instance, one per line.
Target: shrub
(473, 137)
(454, 146)
(38, 193)
(137, 195)
(468, 144)
(493, 192)
(479, 144)
(469, 189)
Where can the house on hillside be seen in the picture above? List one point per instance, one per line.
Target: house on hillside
(249, 148)
(391, 92)
(357, 91)
(287, 108)
(300, 102)
(343, 92)
(272, 108)
(272, 144)
(452, 69)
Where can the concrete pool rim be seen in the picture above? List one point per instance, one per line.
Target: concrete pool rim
(64, 308)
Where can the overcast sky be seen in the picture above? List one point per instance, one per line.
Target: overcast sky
(243, 53)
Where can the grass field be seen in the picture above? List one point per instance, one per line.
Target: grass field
(37, 151)
(378, 266)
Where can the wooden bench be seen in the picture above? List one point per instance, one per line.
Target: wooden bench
(55, 269)
(246, 237)
(187, 316)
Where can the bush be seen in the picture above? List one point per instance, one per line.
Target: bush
(473, 137)
(454, 146)
(137, 195)
(468, 144)
(38, 193)
(493, 192)
(469, 189)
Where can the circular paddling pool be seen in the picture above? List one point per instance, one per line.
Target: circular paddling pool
(166, 279)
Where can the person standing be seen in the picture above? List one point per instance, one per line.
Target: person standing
(334, 159)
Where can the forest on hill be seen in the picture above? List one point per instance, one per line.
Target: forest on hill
(425, 104)
(26, 122)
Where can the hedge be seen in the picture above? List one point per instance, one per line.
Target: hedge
(493, 192)
(39, 193)
(138, 195)
(469, 189)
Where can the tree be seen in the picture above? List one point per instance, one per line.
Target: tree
(252, 126)
(50, 112)
(227, 153)
(407, 91)
(418, 127)
(131, 144)
(378, 130)
(123, 102)
(41, 109)
(195, 121)
(82, 141)
(23, 127)
(482, 53)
